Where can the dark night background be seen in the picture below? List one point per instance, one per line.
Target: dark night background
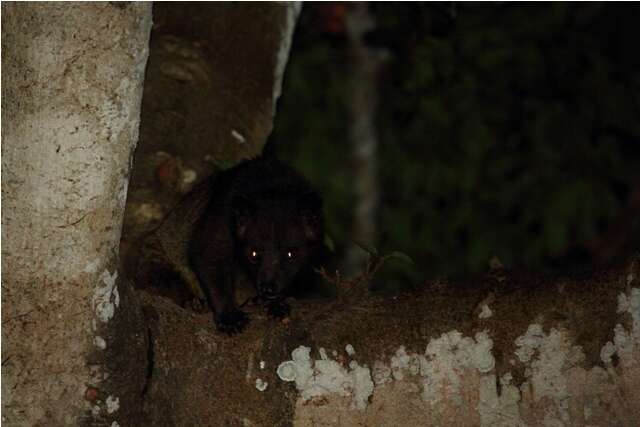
(505, 129)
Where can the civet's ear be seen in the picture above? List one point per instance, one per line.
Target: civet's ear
(310, 209)
(243, 210)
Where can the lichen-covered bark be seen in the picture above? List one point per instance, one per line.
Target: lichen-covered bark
(71, 90)
(503, 351)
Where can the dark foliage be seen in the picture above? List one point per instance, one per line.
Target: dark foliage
(507, 130)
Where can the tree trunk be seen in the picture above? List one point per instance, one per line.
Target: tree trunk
(71, 92)
(365, 63)
(214, 75)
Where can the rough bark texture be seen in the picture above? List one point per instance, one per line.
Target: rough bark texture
(502, 351)
(214, 75)
(71, 91)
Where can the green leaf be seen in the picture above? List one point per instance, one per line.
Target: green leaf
(328, 242)
(401, 256)
(368, 248)
(223, 164)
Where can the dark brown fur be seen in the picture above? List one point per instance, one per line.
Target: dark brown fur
(259, 222)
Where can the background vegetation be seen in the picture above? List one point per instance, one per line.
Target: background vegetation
(506, 130)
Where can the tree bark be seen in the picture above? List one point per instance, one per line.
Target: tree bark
(213, 79)
(506, 350)
(71, 92)
(72, 89)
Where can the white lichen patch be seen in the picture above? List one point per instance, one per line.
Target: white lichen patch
(261, 385)
(262, 364)
(441, 368)
(381, 373)
(528, 342)
(362, 385)
(607, 352)
(113, 404)
(100, 342)
(626, 343)
(350, 350)
(323, 353)
(547, 358)
(480, 353)
(447, 358)
(315, 378)
(327, 376)
(287, 371)
(399, 362)
(238, 136)
(106, 297)
(631, 305)
(485, 312)
(499, 409)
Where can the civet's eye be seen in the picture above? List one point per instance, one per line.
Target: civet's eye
(254, 256)
(290, 255)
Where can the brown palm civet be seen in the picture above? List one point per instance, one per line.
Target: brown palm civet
(258, 222)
